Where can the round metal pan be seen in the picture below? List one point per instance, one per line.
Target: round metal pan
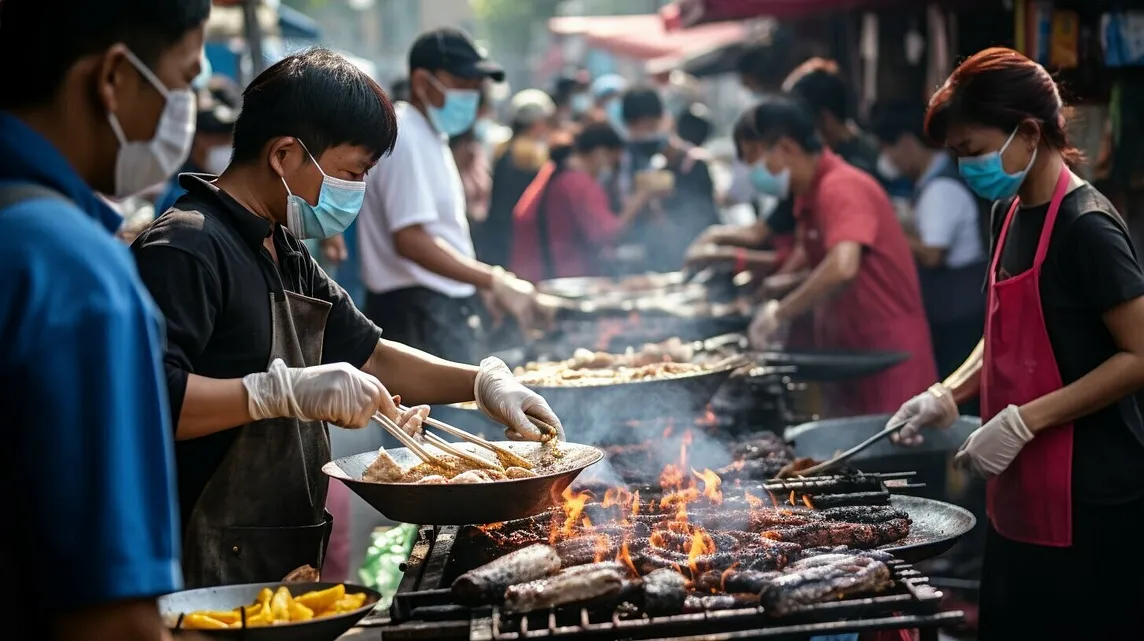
(229, 597)
(935, 527)
(680, 395)
(586, 286)
(827, 366)
(464, 503)
(823, 439)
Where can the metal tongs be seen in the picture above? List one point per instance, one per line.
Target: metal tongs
(850, 453)
(502, 453)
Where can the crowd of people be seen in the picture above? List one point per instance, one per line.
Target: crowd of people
(169, 403)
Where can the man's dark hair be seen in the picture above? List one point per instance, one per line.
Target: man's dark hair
(320, 98)
(400, 90)
(640, 103)
(40, 41)
(567, 85)
(784, 117)
(819, 84)
(597, 135)
(744, 131)
(763, 63)
(694, 124)
(892, 119)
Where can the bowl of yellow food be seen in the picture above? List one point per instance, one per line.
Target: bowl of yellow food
(312, 611)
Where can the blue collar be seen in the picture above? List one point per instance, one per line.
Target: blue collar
(936, 166)
(26, 156)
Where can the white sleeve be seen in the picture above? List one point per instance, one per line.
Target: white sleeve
(942, 208)
(402, 189)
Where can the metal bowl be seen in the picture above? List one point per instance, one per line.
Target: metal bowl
(935, 527)
(464, 503)
(229, 597)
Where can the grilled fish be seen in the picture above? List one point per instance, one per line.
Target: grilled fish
(575, 585)
(487, 584)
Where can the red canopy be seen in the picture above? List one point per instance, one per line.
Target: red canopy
(685, 13)
(645, 37)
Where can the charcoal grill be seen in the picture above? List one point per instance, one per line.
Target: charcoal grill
(423, 610)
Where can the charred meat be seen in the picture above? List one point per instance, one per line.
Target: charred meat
(487, 584)
(575, 585)
(801, 587)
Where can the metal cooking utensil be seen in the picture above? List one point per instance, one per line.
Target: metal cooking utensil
(465, 503)
(408, 441)
(229, 597)
(843, 457)
(457, 432)
(471, 459)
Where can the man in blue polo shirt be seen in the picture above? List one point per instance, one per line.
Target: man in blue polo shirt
(95, 100)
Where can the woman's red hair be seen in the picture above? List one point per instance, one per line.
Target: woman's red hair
(1001, 88)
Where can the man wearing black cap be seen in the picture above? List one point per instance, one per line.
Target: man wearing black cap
(417, 252)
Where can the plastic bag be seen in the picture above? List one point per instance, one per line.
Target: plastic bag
(381, 569)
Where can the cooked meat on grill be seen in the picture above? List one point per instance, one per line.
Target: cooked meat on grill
(587, 549)
(487, 584)
(712, 602)
(799, 588)
(571, 586)
(764, 446)
(862, 514)
(664, 592)
(750, 581)
(854, 535)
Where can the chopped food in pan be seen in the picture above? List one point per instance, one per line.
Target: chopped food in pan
(651, 362)
(276, 607)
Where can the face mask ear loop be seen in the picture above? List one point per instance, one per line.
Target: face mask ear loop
(146, 72)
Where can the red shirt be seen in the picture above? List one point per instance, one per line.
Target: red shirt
(580, 223)
(881, 309)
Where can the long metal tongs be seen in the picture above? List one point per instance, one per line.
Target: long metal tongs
(850, 453)
(437, 442)
(407, 440)
(505, 455)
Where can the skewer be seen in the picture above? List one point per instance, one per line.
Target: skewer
(475, 440)
(446, 447)
(408, 441)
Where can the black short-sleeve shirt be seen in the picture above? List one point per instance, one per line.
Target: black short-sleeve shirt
(1090, 267)
(207, 269)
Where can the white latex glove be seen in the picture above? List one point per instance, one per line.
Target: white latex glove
(765, 326)
(517, 296)
(337, 393)
(505, 400)
(992, 447)
(934, 407)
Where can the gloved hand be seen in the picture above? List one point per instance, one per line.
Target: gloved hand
(700, 255)
(765, 326)
(992, 447)
(934, 407)
(505, 400)
(517, 296)
(337, 393)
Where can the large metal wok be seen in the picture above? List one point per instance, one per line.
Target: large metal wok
(679, 395)
(822, 439)
(468, 503)
(229, 597)
(935, 527)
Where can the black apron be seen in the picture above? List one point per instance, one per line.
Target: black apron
(262, 514)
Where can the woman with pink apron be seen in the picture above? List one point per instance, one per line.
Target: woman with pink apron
(1062, 440)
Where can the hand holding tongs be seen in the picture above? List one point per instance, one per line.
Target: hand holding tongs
(850, 453)
(502, 453)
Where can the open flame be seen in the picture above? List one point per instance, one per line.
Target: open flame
(711, 486)
(701, 544)
(624, 557)
(573, 509)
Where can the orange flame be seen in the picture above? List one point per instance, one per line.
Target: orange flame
(490, 527)
(806, 501)
(635, 502)
(774, 499)
(573, 509)
(656, 540)
(623, 557)
(601, 548)
(684, 443)
(726, 573)
(671, 477)
(753, 502)
(701, 544)
(711, 485)
(791, 499)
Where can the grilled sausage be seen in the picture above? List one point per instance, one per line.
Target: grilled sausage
(576, 585)
(664, 592)
(488, 583)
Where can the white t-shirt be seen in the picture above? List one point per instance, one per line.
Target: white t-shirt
(417, 184)
(946, 216)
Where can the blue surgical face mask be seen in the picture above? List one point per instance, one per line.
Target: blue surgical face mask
(770, 184)
(458, 113)
(581, 103)
(339, 202)
(986, 175)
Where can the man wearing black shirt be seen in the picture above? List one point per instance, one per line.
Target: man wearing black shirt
(1090, 268)
(264, 348)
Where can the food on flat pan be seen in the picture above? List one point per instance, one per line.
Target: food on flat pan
(653, 361)
(277, 607)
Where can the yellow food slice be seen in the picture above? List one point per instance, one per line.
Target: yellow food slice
(280, 604)
(299, 612)
(322, 600)
(200, 621)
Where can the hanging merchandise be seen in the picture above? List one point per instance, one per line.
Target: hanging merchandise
(1122, 37)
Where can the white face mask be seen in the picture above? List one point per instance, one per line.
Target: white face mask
(218, 159)
(142, 164)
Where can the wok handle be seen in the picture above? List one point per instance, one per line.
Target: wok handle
(850, 453)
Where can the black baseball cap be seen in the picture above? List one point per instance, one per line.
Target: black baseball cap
(454, 51)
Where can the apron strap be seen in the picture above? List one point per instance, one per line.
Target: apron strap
(1051, 218)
